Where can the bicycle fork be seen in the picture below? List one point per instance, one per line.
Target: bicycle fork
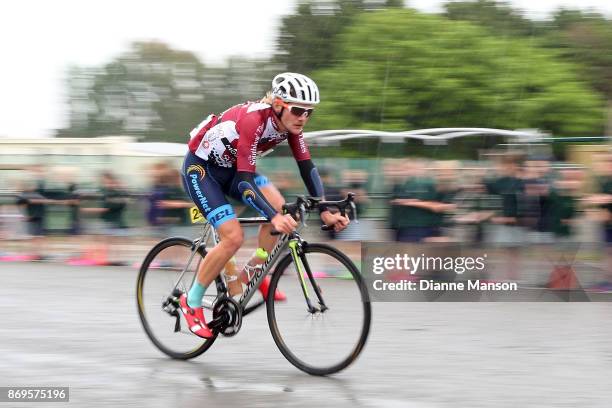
(302, 265)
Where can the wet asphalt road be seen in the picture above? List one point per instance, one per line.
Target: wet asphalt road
(78, 327)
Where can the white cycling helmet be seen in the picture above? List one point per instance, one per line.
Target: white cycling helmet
(292, 87)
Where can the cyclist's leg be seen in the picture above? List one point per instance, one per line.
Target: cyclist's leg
(231, 237)
(265, 239)
(204, 188)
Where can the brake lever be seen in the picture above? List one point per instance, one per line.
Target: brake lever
(354, 211)
(302, 210)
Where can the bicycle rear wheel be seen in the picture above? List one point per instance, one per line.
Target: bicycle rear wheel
(158, 309)
(328, 340)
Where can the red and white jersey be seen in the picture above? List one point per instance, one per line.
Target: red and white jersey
(243, 132)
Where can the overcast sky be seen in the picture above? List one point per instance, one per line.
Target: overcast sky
(39, 39)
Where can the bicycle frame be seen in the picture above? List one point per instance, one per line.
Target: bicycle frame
(292, 240)
(284, 242)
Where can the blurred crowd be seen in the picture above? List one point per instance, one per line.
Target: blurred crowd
(554, 209)
(102, 219)
(509, 202)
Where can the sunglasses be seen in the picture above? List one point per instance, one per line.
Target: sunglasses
(299, 110)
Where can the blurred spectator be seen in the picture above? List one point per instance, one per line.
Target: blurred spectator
(510, 188)
(604, 201)
(505, 231)
(417, 216)
(174, 204)
(108, 247)
(64, 200)
(114, 203)
(74, 203)
(446, 192)
(534, 206)
(33, 201)
(476, 208)
(158, 173)
(563, 204)
(395, 174)
(353, 181)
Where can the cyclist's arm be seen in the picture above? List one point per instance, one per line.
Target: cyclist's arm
(311, 178)
(250, 129)
(308, 171)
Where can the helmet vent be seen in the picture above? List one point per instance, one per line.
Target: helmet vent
(292, 91)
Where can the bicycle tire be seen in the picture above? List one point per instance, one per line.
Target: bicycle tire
(273, 308)
(201, 344)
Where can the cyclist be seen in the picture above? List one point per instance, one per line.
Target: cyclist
(221, 162)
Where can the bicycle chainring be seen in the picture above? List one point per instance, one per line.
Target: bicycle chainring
(230, 314)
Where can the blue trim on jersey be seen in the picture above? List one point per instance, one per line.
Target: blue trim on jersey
(220, 215)
(261, 180)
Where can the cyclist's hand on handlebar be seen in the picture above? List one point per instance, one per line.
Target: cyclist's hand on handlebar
(338, 221)
(283, 223)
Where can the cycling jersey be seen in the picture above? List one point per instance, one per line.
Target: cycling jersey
(233, 141)
(241, 133)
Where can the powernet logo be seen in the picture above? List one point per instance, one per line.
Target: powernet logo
(198, 169)
(416, 264)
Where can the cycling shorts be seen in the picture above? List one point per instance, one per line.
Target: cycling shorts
(208, 185)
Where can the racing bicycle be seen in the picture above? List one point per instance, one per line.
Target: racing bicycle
(320, 328)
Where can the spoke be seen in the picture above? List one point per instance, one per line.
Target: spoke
(327, 340)
(162, 275)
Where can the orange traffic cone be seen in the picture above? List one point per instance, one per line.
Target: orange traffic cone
(563, 277)
(94, 255)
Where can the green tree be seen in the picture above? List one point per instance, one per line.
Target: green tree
(158, 93)
(498, 16)
(405, 70)
(307, 39)
(151, 91)
(582, 37)
(564, 18)
(586, 38)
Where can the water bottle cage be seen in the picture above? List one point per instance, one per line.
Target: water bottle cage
(251, 270)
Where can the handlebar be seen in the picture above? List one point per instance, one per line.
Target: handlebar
(303, 204)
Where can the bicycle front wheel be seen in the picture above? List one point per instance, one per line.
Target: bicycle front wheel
(166, 268)
(328, 337)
